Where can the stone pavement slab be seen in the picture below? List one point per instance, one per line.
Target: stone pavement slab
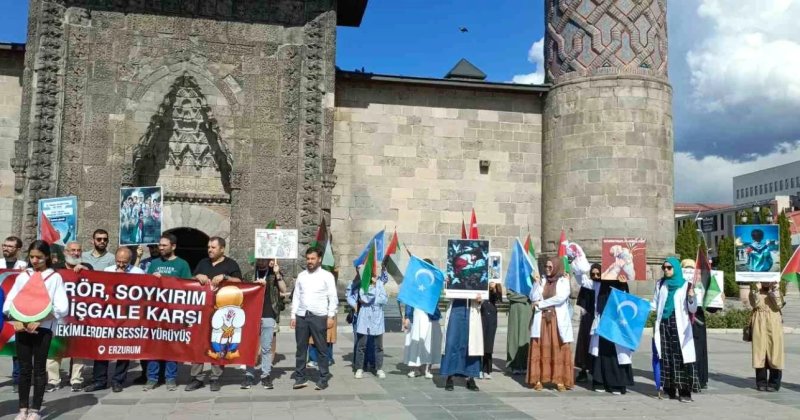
(731, 393)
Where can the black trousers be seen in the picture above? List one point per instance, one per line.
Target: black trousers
(486, 363)
(100, 372)
(769, 377)
(316, 327)
(361, 350)
(32, 352)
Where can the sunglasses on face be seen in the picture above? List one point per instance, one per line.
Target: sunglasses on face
(666, 267)
(595, 274)
(101, 239)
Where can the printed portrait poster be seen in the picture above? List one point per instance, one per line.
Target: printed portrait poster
(467, 269)
(717, 277)
(276, 243)
(757, 253)
(63, 215)
(140, 215)
(624, 259)
(495, 267)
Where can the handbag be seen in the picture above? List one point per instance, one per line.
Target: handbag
(747, 331)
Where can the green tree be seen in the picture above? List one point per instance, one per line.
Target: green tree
(727, 264)
(785, 238)
(687, 241)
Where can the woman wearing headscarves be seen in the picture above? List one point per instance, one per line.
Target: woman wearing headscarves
(518, 339)
(699, 335)
(463, 346)
(586, 301)
(674, 301)
(611, 364)
(767, 336)
(550, 359)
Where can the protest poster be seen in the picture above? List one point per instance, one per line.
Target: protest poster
(63, 215)
(135, 316)
(718, 277)
(757, 253)
(495, 267)
(276, 243)
(467, 269)
(624, 259)
(140, 215)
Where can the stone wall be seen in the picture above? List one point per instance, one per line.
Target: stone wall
(408, 156)
(11, 65)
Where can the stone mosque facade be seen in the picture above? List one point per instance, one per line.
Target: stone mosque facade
(237, 108)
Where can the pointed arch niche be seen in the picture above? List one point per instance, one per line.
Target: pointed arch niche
(182, 149)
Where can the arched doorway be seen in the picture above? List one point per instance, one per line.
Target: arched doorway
(192, 245)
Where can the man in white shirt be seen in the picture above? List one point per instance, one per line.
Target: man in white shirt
(123, 262)
(314, 303)
(11, 247)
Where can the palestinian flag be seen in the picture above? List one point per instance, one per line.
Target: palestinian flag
(388, 262)
(473, 226)
(322, 235)
(791, 272)
(370, 268)
(562, 251)
(529, 248)
(703, 277)
(328, 261)
(273, 224)
(463, 229)
(47, 232)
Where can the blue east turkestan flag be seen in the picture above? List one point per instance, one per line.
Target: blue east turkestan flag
(520, 269)
(623, 319)
(422, 285)
(379, 249)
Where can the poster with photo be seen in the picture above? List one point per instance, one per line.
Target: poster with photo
(757, 253)
(467, 269)
(717, 277)
(624, 259)
(140, 215)
(63, 215)
(495, 267)
(276, 243)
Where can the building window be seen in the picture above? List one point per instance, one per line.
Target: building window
(770, 187)
(780, 185)
(792, 182)
(722, 222)
(716, 241)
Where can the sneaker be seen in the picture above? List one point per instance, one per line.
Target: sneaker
(172, 385)
(381, 374)
(487, 376)
(77, 387)
(150, 385)
(582, 376)
(428, 375)
(15, 388)
(94, 387)
(33, 415)
(412, 373)
(683, 399)
(51, 388)
(247, 383)
(267, 383)
(321, 386)
(214, 385)
(602, 390)
(480, 375)
(616, 393)
(359, 374)
(194, 385)
(311, 364)
(23, 413)
(300, 384)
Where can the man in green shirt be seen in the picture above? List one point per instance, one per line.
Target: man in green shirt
(169, 265)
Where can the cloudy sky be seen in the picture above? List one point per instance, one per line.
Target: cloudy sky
(733, 66)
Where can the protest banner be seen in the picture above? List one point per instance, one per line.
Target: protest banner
(757, 253)
(63, 215)
(624, 259)
(135, 316)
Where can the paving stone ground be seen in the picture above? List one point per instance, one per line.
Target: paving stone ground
(731, 393)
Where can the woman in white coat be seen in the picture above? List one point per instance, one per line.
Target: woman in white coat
(550, 358)
(673, 302)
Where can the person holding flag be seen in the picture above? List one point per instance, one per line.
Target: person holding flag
(521, 271)
(767, 334)
(611, 365)
(423, 341)
(370, 322)
(674, 301)
(699, 332)
(550, 358)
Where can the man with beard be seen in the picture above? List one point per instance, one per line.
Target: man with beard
(72, 261)
(314, 305)
(99, 257)
(215, 269)
(11, 247)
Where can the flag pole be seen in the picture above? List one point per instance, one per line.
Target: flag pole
(407, 250)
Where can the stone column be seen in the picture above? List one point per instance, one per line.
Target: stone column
(607, 151)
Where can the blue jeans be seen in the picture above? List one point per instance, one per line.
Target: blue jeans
(312, 353)
(154, 367)
(267, 329)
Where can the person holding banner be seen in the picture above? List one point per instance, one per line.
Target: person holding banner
(611, 368)
(674, 301)
(767, 324)
(268, 274)
(551, 331)
(33, 336)
(213, 270)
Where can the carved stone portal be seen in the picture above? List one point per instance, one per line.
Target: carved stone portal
(182, 149)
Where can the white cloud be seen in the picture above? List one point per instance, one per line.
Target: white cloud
(710, 179)
(535, 56)
(749, 57)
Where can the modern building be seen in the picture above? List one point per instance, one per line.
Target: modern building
(276, 132)
(767, 183)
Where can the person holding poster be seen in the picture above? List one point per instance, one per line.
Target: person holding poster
(34, 331)
(767, 324)
(699, 333)
(463, 346)
(611, 365)
(550, 358)
(673, 301)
